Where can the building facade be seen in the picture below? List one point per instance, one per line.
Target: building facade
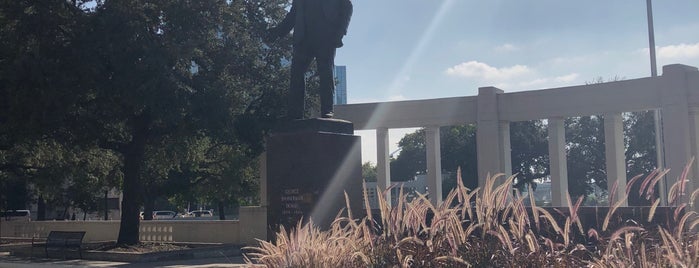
(341, 85)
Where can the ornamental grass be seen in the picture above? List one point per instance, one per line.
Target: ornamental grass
(492, 227)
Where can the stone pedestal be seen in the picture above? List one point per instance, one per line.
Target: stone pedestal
(310, 165)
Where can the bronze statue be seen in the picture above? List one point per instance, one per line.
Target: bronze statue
(319, 26)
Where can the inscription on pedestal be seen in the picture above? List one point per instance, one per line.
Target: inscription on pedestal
(294, 204)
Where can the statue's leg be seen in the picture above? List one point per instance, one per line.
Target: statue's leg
(326, 62)
(299, 65)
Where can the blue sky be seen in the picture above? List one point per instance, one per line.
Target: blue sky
(422, 49)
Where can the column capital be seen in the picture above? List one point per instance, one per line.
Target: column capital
(489, 91)
(678, 68)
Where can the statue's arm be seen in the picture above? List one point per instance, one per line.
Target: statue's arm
(287, 24)
(345, 15)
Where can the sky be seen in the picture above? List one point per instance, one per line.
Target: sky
(423, 49)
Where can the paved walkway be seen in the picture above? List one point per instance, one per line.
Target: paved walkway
(10, 261)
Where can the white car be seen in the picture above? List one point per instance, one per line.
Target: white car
(16, 215)
(201, 214)
(164, 215)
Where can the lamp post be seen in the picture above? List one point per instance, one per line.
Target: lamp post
(651, 39)
(659, 150)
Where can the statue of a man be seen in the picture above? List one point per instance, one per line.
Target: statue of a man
(319, 26)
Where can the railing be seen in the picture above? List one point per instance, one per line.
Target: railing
(675, 94)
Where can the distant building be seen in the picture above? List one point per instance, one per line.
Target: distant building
(341, 86)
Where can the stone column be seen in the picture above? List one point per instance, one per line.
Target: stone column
(660, 154)
(677, 123)
(615, 157)
(505, 153)
(558, 164)
(492, 137)
(434, 164)
(694, 147)
(383, 167)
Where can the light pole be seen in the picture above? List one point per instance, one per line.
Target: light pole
(659, 150)
(651, 39)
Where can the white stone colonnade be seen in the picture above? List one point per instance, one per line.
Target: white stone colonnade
(675, 94)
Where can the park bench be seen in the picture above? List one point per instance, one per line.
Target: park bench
(61, 240)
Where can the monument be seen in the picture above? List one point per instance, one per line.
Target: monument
(312, 163)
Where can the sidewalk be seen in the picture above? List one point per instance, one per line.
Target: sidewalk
(10, 261)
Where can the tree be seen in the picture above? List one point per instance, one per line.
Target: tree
(530, 153)
(227, 175)
(35, 41)
(458, 147)
(641, 158)
(586, 154)
(369, 172)
(171, 70)
(586, 150)
(412, 160)
(128, 76)
(459, 151)
(37, 69)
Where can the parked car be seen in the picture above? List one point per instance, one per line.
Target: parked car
(16, 215)
(164, 215)
(201, 214)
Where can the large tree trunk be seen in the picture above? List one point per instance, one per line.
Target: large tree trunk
(221, 211)
(133, 157)
(106, 205)
(148, 206)
(65, 212)
(41, 209)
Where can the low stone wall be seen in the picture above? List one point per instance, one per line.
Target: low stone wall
(95, 230)
(253, 220)
(253, 225)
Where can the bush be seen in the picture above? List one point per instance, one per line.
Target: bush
(488, 227)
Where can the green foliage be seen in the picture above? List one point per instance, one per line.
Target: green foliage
(369, 172)
(412, 160)
(459, 152)
(641, 158)
(37, 68)
(64, 176)
(529, 144)
(586, 158)
(458, 148)
(179, 94)
(586, 151)
(530, 153)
